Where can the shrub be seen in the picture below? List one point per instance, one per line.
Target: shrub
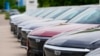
(21, 9)
(7, 16)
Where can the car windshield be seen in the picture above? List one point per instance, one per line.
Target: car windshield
(90, 16)
(47, 12)
(56, 13)
(32, 12)
(38, 13)
(71, 13)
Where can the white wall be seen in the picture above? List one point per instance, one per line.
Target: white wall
(31, 4)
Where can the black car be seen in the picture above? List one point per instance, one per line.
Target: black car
(76, 44)
(95, 52)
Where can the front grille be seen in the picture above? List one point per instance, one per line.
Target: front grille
(24, 34)
(19, 33)
(37, 45)
(15, 29)
(19, 29)
(24, 38)
(11, 25)
(73, 53)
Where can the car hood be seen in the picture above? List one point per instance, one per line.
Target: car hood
(34, 21)
(14, 16)
(38, 24)
(54, 30)
(14, 19)
(80, 40)
(20, 20)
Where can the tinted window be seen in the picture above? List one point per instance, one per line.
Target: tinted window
(71, 13)
(57, 13)
(91, 16)
(39, 12)
(47, 12)
(32, 12)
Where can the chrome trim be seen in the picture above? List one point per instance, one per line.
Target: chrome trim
(19, 40)
(26, 30)
(37, 37)
(66, 48)
(20, 26)
(24, 47)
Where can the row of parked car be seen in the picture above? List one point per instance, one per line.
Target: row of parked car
(58, 31)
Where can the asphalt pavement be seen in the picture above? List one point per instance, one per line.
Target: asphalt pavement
(9, 46)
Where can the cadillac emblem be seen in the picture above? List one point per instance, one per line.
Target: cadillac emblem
(58, 53)
(37, 40)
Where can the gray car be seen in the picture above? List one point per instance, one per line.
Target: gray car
(95, 52)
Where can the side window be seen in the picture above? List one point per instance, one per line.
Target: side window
(97, 17)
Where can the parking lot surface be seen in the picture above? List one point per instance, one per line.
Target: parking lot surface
(9, 46)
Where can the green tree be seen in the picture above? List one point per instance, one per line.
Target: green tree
(12, 3)
(45, 3)
(2, 4)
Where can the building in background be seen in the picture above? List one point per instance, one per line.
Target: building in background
(31, 4)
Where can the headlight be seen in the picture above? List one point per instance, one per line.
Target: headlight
(26, 30)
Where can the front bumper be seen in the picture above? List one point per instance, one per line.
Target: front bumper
(64, 51)
(36, 43)
(36, 52)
